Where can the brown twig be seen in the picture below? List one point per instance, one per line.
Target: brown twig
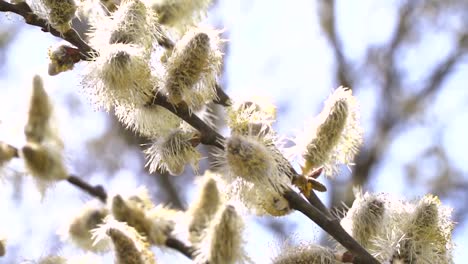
(96, 191)
(181, 247)
(30, 18)
(208, 135)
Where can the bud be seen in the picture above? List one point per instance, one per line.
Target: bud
(60, 13)
(334, 136)
(223, 242)
(150, 121)
(193, 68)
(180, 14)
(173, 151)
(62, 58)
(44, 163)
(120, 75)
(130, 247)
(204, 208)
(7, 153)
(305, 254)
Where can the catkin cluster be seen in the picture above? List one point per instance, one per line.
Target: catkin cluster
(42, 153)
(400, 231)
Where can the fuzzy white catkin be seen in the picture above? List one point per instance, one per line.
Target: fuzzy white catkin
(252, 116)
(173, 151)
(150, 121)
(44, 162)
(78, 230)
(428, 234)
(132, 23)
(366, 217)
(120, 76)
(130, 247)
(334, 136)
(252, 174)
(192, 69)
(60, 13)
(38, 126)
(155, 231)
(305, 254)
(179, 14)
(204, 208)
(223, 242)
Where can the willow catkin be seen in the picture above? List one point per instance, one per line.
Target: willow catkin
(305, 254)
(192, 69)
(204, 208)
(37, 127)
(130, 247)
(60, 13)
(173, 151)
(223, 242)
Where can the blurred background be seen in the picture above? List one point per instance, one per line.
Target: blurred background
(406, 61)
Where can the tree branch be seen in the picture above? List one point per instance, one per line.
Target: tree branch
(30, 18)
(96, 191)
(317, 212)
(208, 135)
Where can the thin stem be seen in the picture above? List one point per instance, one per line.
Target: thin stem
(96, 191)
(208, 135)
(178, 245)
(23, 9)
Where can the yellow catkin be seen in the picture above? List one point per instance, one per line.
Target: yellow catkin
(223, 241)
(305, 254)
(40, 111)
(130, 247)
(44, 162)
(60, 13)
(203, 209)
(173, 151)
(155, 231)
